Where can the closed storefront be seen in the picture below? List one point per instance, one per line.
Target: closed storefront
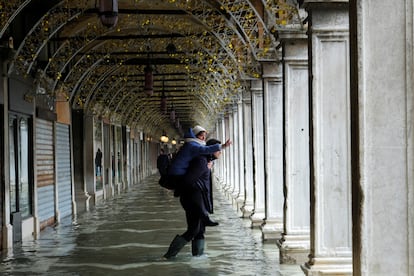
(63, 170)
(45, 172)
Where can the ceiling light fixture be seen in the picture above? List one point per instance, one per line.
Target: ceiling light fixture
(163, 100)
(149, 80)
(108, 12)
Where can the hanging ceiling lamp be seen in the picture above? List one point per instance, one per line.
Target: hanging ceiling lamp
(172, 114)
(163, 100)
(164, 138)
(148, 81)
(171, 49)
(177, 123)
(108, 12)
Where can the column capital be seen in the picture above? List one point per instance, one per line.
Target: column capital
(256, 86)
(247, 97)
(235, 107)
(308, 3)
(272, 70)
(290, 34)
(230, 109)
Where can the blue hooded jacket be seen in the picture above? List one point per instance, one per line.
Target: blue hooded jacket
(192, 147)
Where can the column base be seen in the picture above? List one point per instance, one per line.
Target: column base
(239, 205)
(111, 190)
(328, 267)
(234, 197)
(87, 201)
(294, 249)
(272, 230)
(257, 219)
(82, 201)
(8, 237)
(247, 210)
(226, 188)
(228, 196)
(118, 188)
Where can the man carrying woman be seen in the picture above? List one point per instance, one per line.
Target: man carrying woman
(197, 201)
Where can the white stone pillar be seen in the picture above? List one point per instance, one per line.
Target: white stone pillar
(111, 184)
(218, 166)
(258, 153)
(273, 128)
(223, 158)
(88, 159)
(227, 156)
(7, 227)
(294, 245)
(230, 152)
(235, 152)
(331, 242)
(248, 205)
(382, 70)
(241, 160)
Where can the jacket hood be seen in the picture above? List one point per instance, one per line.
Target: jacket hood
(189, 134)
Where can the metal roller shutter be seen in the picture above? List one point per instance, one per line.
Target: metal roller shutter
(63, 170)
(45, 172)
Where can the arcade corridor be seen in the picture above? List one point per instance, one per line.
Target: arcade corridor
(317, 97)
(128, 235)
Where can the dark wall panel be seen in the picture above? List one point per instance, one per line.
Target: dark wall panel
(1, 85)
(19, 90)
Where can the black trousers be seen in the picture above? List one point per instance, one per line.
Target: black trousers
(195, 223)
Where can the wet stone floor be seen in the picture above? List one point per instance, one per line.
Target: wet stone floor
(128, 234)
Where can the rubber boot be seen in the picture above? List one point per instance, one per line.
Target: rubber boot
(176, 245)
(197, 247)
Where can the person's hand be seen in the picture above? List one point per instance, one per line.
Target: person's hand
(210, 165)
(228, 143)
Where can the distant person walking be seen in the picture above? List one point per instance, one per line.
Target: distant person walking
(163, 162)
(98, 162)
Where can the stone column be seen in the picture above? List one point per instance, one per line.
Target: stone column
(218, 164)
(258, 153)
(88, 156)
(111, 183)
(382, 74)
(231, 154)
(273, 121)
(219, 170)
(295, 242)
(224, 157)
(241, 161)
(227, 155)
(235, 152)
(7, 228)
(248, 205)
(331, 239)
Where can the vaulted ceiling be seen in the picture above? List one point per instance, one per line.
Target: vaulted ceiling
(203, 54)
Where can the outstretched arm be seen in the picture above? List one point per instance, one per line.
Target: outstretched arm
(228, 143)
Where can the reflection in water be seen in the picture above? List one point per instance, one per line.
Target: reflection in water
(129, 234)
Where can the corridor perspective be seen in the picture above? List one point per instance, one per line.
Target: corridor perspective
(129, 234)
(315, 96)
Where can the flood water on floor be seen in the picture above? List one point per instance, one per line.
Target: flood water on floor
(128, 235)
